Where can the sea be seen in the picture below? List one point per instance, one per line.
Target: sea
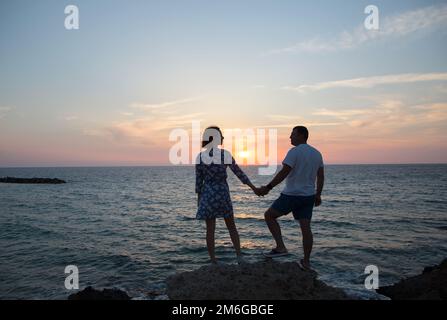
(133, 227)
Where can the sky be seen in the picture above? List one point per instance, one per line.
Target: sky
(111, 92)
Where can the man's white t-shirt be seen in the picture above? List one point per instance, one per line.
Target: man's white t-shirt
(305, 161)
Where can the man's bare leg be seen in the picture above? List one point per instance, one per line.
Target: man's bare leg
(308, 241)
(270, 218)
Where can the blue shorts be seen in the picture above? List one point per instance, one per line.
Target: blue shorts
(300, 206)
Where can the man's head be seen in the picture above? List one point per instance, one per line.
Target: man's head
(299, 135)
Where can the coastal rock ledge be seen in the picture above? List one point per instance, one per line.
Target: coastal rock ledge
(32, 180)
(430, 285)
(258, 281)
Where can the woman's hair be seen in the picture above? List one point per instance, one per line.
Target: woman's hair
(209, 133)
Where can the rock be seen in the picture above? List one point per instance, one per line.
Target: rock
(90, 293)
(430, 285)
(268, 280)
(31, 180)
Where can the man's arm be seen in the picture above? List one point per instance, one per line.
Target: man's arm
(320, 184)
(280, 176)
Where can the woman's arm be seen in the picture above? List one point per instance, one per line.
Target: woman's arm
(255, 189)
(242, 176)
(238, 172)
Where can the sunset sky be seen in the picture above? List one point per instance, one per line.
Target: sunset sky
(111, 92)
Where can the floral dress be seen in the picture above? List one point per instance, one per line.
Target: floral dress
(211, 184)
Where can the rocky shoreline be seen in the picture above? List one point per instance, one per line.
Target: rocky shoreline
(267, 280)
(270, 280)
(430, 285)
(90, 293)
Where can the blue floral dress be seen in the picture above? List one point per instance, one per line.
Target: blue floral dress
(211, 183)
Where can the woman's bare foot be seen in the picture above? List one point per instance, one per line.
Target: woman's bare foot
(304, 264)
(275, 252)
(241, 260)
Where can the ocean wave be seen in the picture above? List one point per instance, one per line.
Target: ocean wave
(245, 216)
(131, 234)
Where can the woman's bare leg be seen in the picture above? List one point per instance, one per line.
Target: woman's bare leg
(210, 228)
(233, 234)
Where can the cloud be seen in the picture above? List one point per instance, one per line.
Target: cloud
(287, 121)
(138, 132)
(179, 121)
(150, 129)
(147, 131)
(71, 118)
(306, 123)
(441, 88)
(427, 18)
(145, 106)
(370, 82)
(389, 121)
(435, 112)
(390, 115)
(4, 111)
(343, 114)
(94, 132)
(312, 46)
(282, 117)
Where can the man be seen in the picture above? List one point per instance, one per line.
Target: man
(302, 165)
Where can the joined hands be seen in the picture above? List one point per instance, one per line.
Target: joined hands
(262, 191)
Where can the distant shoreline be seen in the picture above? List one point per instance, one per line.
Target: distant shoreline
(34, 180)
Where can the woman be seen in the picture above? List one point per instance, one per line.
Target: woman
(212, 189)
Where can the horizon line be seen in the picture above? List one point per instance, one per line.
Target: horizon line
(241, 165)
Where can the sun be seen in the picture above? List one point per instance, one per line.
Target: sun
(244, 154)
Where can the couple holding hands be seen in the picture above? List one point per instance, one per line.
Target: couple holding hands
(302, 167)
